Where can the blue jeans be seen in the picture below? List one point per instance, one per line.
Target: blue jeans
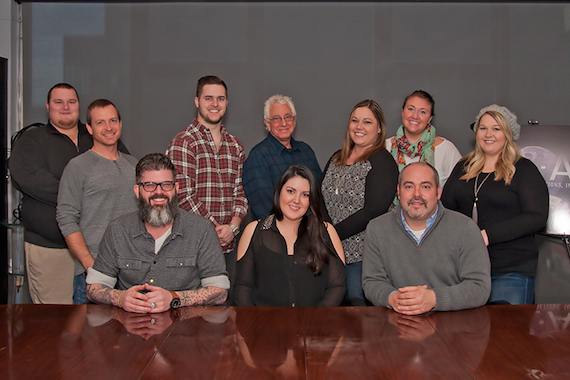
(79, 289)
(354, 281)
(516, 289)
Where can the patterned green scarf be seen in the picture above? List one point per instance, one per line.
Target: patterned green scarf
(423, 147)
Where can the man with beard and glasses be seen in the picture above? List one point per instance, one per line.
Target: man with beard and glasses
(160, 257)
(423, 257)
(38, 158)
(95, 188)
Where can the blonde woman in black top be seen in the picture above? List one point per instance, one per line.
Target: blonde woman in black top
(507, 197)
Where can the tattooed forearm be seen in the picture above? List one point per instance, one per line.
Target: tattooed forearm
(210, 295)
(103, 294)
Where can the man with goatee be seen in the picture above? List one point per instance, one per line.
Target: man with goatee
(422, 256)
(160, 257)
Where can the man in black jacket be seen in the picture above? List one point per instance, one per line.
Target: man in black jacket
(36, 164)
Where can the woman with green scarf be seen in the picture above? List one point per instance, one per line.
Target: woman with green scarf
(416, 140)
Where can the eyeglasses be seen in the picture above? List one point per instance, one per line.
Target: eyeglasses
(278, 120)
(151, 186)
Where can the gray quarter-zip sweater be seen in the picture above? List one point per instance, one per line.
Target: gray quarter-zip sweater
(451, 259)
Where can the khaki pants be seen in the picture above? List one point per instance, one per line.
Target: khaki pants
(50, 274)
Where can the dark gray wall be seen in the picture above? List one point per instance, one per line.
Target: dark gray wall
(327, 56)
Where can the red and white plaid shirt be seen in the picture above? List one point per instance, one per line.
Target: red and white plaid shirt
(210, 180)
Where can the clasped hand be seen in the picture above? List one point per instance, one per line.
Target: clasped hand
(413, 300)
(225, 234)
(136, 302)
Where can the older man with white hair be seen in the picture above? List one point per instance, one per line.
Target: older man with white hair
(268, 159)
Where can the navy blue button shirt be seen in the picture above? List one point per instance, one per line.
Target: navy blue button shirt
(265, 163)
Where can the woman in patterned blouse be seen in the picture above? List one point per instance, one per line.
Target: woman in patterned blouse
(359, 184)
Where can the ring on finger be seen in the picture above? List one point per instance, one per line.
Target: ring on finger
(152, 305)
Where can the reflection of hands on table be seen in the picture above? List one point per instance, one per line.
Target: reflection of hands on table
(412, 327)
(144, 325)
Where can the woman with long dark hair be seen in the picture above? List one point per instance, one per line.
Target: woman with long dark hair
(359, 184)
(292, 257)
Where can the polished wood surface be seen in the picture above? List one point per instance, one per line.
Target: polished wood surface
(102, 342)
(509, 342)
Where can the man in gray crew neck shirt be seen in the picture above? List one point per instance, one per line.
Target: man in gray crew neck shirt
(95, 188)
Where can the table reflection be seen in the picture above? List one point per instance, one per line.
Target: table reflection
(97, 341)
(200, 345)
(270, 342)
(466, 332)
(334, 343)
(407, 347)
(550, 324)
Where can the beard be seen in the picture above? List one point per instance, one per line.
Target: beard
(158, 216)
(414, 213)
(67, 122)
(207, 118)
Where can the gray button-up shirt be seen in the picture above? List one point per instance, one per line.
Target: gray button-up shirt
(190, 257)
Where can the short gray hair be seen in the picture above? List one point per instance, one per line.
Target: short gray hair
(281, 99)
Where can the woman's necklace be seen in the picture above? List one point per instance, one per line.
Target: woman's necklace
(476, 189)
(340, 180)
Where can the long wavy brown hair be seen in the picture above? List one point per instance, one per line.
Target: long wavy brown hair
(342, 156)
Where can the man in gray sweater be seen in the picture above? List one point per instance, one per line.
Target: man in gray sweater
(95, 188)
(423, 257)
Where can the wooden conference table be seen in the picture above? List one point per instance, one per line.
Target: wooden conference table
(103, 342)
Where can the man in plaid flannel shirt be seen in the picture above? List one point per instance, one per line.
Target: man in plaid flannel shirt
(209, 162)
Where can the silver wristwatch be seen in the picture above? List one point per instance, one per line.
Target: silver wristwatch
(235, 230)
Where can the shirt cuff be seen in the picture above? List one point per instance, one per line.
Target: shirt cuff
(387, 302)
(240, 212)
(96, 277)
(222, 281)
(68, 228)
